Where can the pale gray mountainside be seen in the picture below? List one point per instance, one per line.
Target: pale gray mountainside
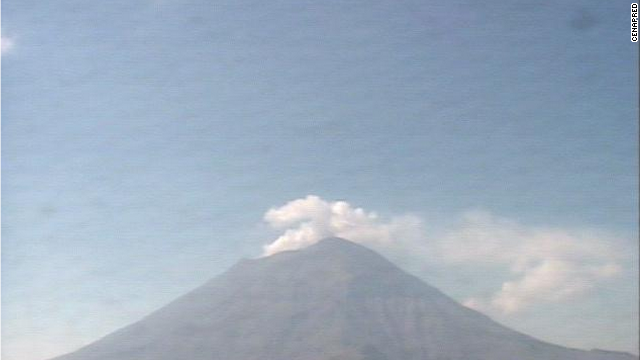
(335, 300)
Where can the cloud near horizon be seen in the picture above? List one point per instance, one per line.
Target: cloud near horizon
(6, 44)
(543, 265)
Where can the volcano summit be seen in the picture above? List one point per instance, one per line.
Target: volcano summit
(334, 300)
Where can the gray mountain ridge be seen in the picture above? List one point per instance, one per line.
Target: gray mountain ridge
(334, 300)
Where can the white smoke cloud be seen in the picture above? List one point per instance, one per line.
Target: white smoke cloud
(543, 265)
(307, 220)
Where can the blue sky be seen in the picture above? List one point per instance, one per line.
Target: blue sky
(143, 141)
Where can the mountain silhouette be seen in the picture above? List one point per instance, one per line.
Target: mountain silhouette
(334, 300)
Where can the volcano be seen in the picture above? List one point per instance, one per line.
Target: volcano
(334, 300)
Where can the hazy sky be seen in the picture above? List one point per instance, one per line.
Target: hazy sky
(143, 142)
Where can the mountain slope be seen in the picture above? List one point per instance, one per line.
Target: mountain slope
(334, 300)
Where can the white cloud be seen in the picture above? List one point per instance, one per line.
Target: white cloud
(6, 44)
(542, 265)
(551, 281)
(307, 220)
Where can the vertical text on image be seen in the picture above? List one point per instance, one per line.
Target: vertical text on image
(634, 22)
